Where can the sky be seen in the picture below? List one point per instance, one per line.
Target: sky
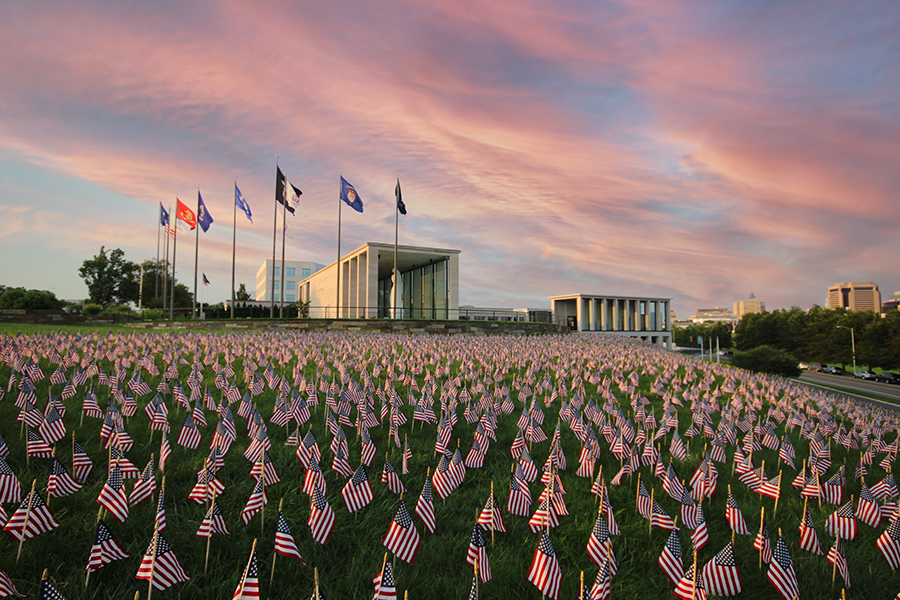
(699, 151)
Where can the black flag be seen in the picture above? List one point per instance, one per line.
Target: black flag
(400, 206)
(282, 187)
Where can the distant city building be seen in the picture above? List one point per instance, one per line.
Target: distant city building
(749, 306)
(637, 317)
(854, 295)
(294, 271)
(891, 304)
(715, 315)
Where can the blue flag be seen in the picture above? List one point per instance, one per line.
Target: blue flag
(349, 195)
(163, 215)
(242, 203)
(205, 280)
(203, 217)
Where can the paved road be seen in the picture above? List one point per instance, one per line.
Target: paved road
(851, 383)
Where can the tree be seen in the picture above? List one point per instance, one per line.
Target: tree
(241, 294)
(766, 359)
(110, 278)
(33, 299)
(149, 299)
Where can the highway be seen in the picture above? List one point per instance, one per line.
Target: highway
(848, 382)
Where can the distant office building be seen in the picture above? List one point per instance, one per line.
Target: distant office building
(428, 286)
(749, 306)
(854, 295)
(891, 304)
(294, 271)
(715, 315)
(643, 318)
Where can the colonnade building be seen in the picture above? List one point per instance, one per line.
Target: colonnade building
(646, 319)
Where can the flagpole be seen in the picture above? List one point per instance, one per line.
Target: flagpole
(337, 299)
(166, 274)
(233, 241)
(158, 223)
(396, 278)
(283, 231)
(27, 516)
(174, 250)
(194, 312)
(274, 238)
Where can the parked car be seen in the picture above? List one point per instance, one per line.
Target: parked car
(888, 377)
(865, 374)
(815, 367)
(833, 370)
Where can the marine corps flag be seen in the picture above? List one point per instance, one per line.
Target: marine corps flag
(285, 190)
(186, 214)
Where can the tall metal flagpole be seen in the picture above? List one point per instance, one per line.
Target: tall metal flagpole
(174, 251)
(337, 300)
(274, 238)
(396, 221)
(166, 274)
(194, 313)
(233, 238)
(158, 223)
(283, 231)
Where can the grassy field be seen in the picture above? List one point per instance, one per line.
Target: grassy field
(354, 553)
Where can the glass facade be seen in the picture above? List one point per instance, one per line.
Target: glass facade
(424, 293)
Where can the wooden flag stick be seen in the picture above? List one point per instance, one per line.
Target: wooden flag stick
(778, 497)
(240, 591)
(275, 554)
(476, 579)
(581, 587)
(637, 493)
(209, 537)
(153, 558)
(73, 453)
(834, 564)
(88, 576)
(316, 576)
(27, 516)
(694, 582)
(762, 523)
(652, 491)
(492, 514)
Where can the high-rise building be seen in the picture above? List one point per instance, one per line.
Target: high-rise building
(854, 295)
(294, 271)
(748, 306)
(891, 304)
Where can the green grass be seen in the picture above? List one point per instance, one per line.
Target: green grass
(354, 553)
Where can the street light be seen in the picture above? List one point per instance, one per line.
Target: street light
(852, 343)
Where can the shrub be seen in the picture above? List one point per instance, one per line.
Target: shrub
(766, 359)
(92, 310)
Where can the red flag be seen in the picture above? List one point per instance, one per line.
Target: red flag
(186, 214)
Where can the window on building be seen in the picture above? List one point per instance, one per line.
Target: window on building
(289, 271)
(277, 299)
(289, 285)
(288, 298)
(276, 272)
(304, 273)
(277, 284)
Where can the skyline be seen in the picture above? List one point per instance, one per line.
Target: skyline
(663, 149)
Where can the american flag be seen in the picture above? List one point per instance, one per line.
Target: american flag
(40, 519)
(48, 592)
(390, 478)
(112, 497)
(145, 486)
(762, 543)
(7, 588)
(867, 509)
(10, 488)
(544, 572)
(357, 493)
(385, 588)
(284, 541)
(688, 589)
(781, 572)
(841, 522)
(213, 522)
(81, 462)
(52, 428)
(660, 519)
(313, 478)
(734, 515)
(166, 569)
(165, 451)
(490, 518)
(258, 499)
(161, 508)
(670, 558)
(248, 589)
(105, 549)
(602, 587)
(37, 447)
(189, 436)
(889, 544)
(60, 482)
(837, 558)
(321, 517)
(809, 541)
(644, 505)
(402, 538)
(700, 534)
(425, 507)
(721, 575)
(478, 551)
